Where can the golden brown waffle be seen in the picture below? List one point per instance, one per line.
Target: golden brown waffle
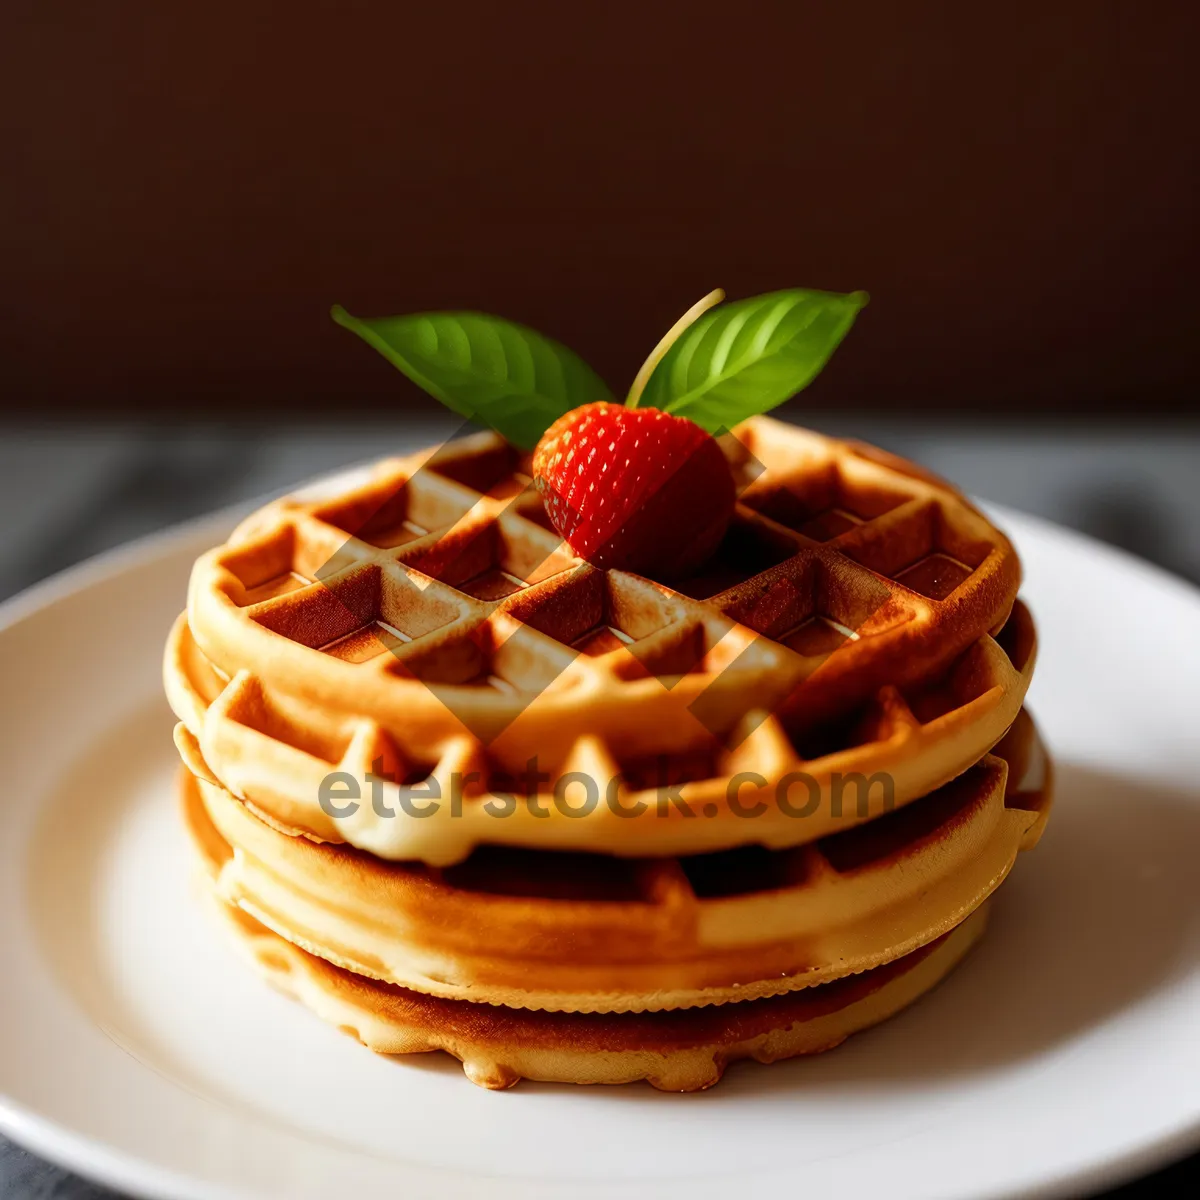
(428, 606)
(275, 753)
(421, 622)
(674, 1051)
(580, 932)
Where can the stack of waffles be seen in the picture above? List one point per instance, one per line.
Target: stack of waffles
(455, 789)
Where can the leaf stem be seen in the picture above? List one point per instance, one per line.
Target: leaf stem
(667, 341)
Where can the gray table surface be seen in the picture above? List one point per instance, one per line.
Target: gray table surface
(69, 492)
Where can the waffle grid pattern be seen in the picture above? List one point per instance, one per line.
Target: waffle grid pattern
(839, 573)
(422, 623)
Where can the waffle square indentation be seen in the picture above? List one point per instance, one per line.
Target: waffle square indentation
(822, 503)
(936, 575)
(492, 560)
(747, 550)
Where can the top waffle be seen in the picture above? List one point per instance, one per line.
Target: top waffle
(431, 598)
(902, 746)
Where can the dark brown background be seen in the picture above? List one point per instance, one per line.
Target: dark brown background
(188, 187)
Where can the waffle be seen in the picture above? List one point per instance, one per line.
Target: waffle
(405, 654)
(577, 932)
(918, 742)
(418, 633)
(425, 611)
(674, 1051)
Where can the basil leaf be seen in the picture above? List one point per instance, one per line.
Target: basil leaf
(745, 358)
(484, 368)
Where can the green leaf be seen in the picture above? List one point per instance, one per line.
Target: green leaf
(484, 368)
(747, 357)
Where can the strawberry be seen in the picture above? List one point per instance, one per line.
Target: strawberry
(634, 489)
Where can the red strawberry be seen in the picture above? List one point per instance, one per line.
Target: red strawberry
(634, 489)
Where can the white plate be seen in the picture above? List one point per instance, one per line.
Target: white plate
(135, 1048)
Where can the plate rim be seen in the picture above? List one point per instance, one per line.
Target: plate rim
(105, 564)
